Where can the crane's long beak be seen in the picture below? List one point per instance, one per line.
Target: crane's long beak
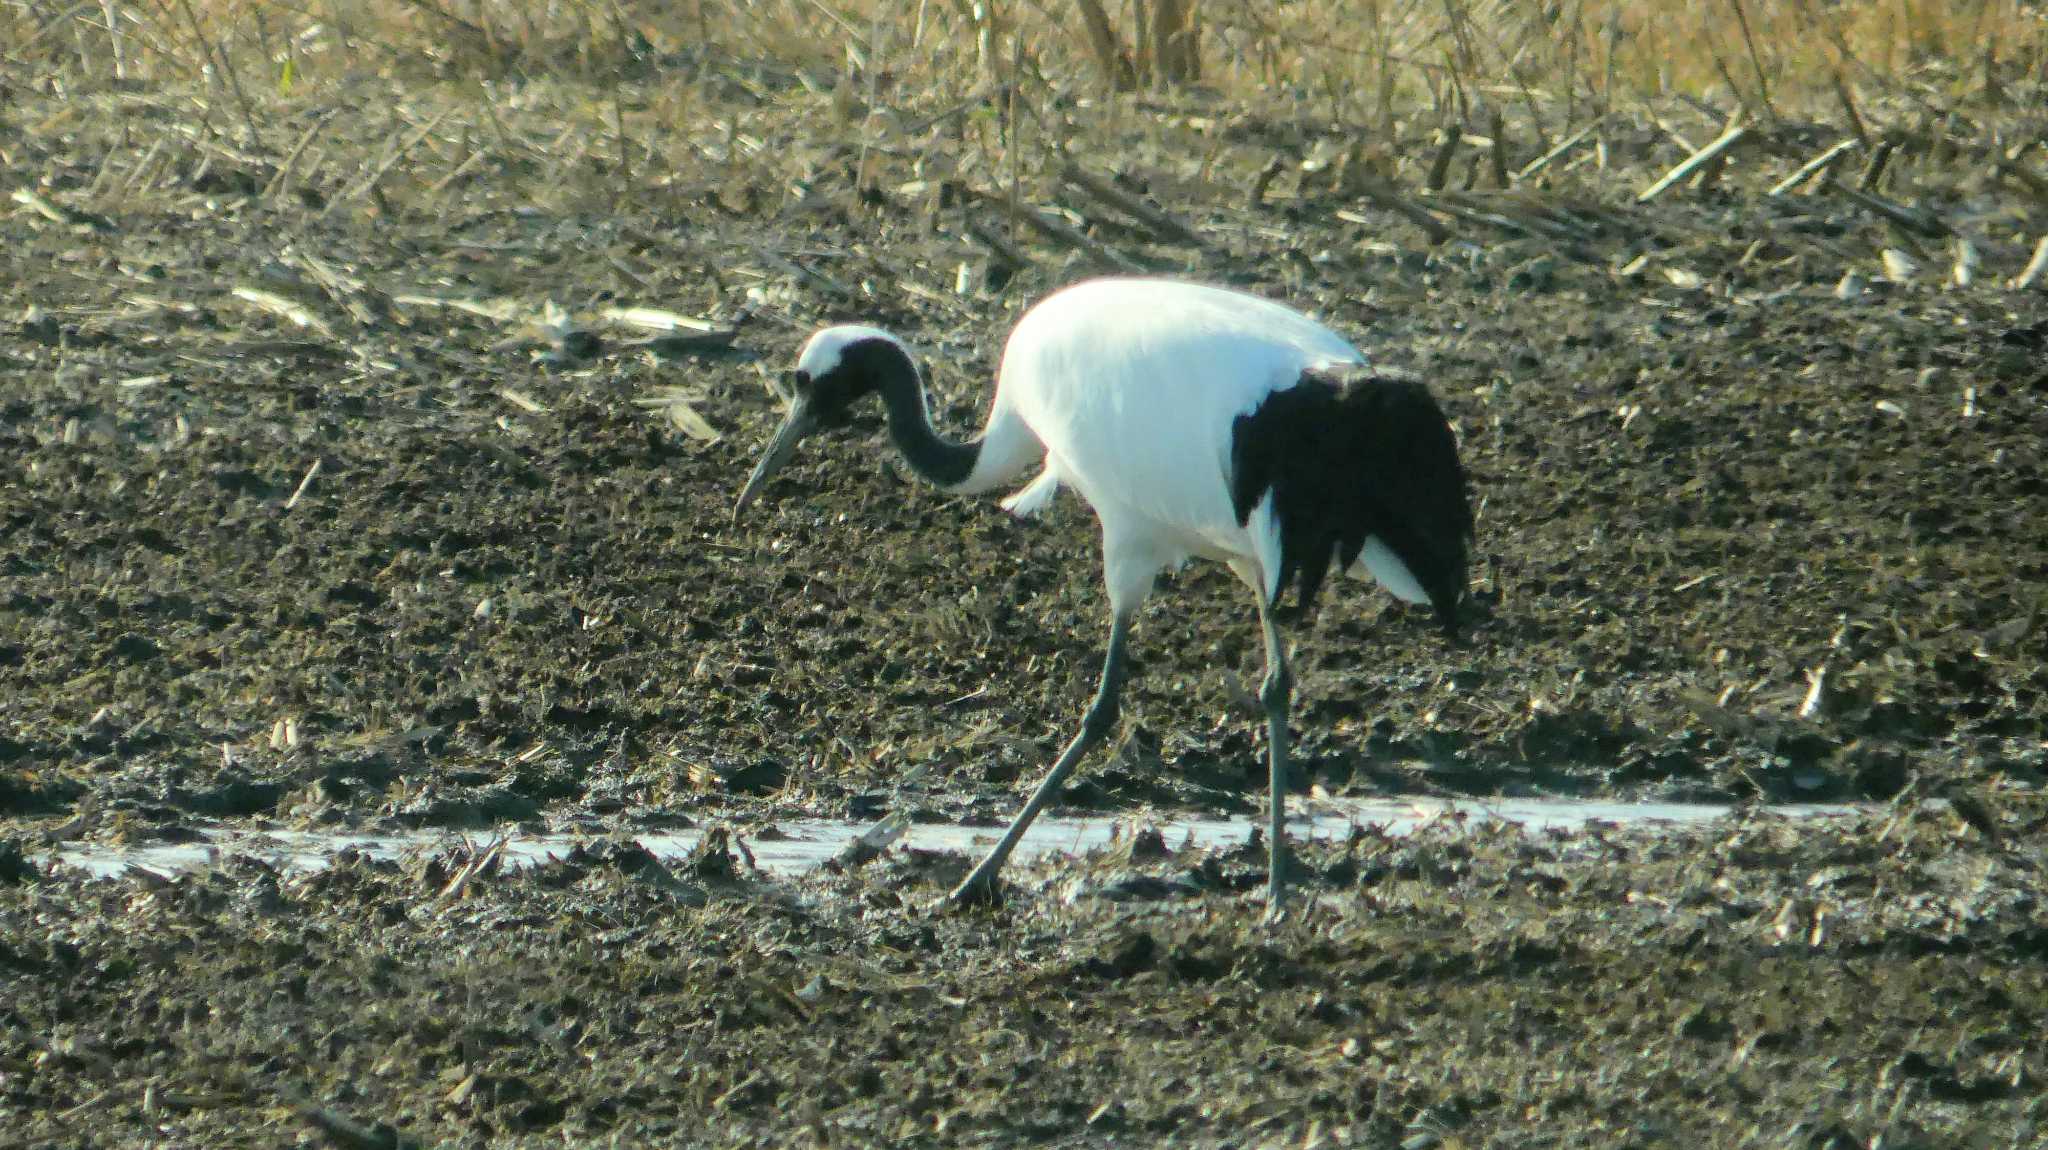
(795, 426)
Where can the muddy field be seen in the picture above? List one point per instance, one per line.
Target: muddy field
(1871, 982)
(308, 518)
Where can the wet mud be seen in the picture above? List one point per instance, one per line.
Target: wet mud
(1751, 982)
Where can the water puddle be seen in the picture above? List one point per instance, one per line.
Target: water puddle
(798, 845)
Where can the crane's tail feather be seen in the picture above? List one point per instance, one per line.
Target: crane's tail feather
(1035, 496)
(1351, 460)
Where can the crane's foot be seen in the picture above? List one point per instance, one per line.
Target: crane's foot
(1276, 906)
(978, 891)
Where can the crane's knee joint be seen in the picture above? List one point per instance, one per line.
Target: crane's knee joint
(1277, 689)
(1100, 719)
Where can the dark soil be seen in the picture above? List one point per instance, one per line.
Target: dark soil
(510, 590)
(389, 554)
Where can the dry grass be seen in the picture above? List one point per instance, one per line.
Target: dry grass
(376, 108)
(576, 102)
(1362, 60)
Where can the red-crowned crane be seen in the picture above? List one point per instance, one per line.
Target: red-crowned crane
(1198, 422)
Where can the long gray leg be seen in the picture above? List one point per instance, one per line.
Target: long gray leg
(1098, 722)
(1275, 693)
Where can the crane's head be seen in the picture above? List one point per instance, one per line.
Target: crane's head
(836, 369)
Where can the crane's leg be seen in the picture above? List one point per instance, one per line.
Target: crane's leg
(1275, 694)
(979, 886)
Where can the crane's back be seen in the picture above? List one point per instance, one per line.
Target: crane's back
(1133, 386)
(1166, 337)
(1176, 409)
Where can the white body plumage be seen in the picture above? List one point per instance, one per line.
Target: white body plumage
(1128, 390)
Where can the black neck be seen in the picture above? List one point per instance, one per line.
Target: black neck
(938, 459)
